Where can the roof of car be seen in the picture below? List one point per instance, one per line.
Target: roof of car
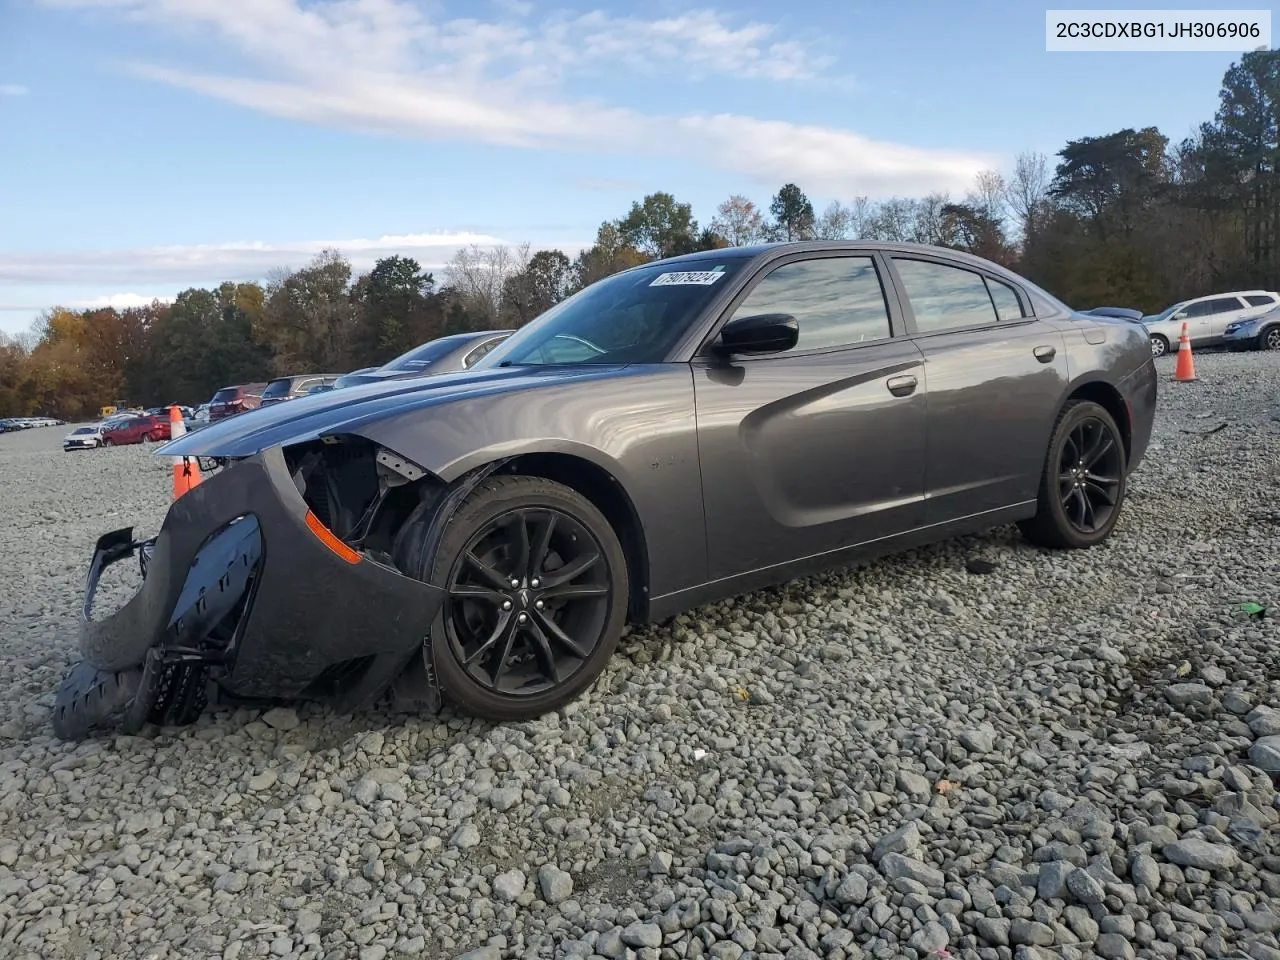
(1231, 293)
(799, 246)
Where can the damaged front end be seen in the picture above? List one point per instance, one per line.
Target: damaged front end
(288, 574)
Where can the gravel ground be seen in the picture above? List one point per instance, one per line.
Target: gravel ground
(1062, 756)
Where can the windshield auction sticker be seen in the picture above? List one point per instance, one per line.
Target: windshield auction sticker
(702, 278)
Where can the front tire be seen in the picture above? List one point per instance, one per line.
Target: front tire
(1270, 339)
(1084, 482)
(537, 597)
(1159, 345)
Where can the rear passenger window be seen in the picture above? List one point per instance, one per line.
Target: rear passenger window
(837, 301)
(945, 297)
(1224, 304)
(479, 352)
(1008, 306)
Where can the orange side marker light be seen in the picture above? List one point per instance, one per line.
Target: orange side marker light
(326, 536)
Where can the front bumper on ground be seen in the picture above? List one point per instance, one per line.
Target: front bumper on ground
(243, 533)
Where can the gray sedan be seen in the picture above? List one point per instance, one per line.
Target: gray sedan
(674, 434)
(459, 351)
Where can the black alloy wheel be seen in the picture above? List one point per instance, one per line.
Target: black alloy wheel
(1089, 475)
(536, 595)
(528, 601)
(1084, 481)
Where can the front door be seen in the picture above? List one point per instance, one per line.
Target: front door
(820, 447)
(995, 378)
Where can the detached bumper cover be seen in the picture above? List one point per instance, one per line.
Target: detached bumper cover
(244, 530)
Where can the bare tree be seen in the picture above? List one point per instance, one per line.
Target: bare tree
(739, 221)
(1027, 191)
(927, 219)
(479, 274)
(892, 221)
(988, 194)
(844, 221)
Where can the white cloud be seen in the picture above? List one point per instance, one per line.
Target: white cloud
(215, 262)
(13, 90)
(120, 301)
(386, 66)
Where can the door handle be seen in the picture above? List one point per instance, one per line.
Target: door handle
(902, 386)
(1045, 354)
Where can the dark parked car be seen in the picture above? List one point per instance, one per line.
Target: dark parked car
(289, 388)
(458, 351)
(229, 401)
(145, 429)
(728, 420)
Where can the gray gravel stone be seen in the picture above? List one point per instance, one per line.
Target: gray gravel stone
(555, 884)
(509, 885)
(1201, 854)
(1188, 694)
(919, 751)
(1085, 888)
(642, 935)
(282, 718)
(1265, 754)
(1112, 946)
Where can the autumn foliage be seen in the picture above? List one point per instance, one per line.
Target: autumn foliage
(1124, 219)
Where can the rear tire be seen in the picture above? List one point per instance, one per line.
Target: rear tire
(1084, 482)
(511, 653)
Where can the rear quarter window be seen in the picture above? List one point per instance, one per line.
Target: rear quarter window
(1260, 301)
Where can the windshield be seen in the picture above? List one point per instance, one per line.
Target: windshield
(226, 395)
(419, 357)
(277, 388)
(1166, 313)
(85, 430)
(632, 317)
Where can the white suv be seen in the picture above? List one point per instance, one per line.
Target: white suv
(1206, 318)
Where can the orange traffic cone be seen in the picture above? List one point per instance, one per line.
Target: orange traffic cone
(186, 474)
(1186, 368)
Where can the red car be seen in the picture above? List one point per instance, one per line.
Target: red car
(229, 401)
(137, 430)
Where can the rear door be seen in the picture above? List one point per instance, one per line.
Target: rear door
(1222, 311)
(820, 447)
(994, 376)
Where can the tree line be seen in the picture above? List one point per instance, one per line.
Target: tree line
(1128, 218)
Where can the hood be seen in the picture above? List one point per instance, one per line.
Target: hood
(346, 410)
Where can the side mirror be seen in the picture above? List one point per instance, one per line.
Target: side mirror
(759, 333)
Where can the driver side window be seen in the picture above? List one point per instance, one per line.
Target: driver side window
(837, 301)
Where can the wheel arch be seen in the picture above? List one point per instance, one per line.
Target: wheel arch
(1110, 399)
(607, 493)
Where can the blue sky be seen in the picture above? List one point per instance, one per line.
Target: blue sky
(151, 145)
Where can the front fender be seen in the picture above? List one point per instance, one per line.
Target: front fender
(639, 427)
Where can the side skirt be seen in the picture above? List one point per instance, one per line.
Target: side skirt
(668, 605)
